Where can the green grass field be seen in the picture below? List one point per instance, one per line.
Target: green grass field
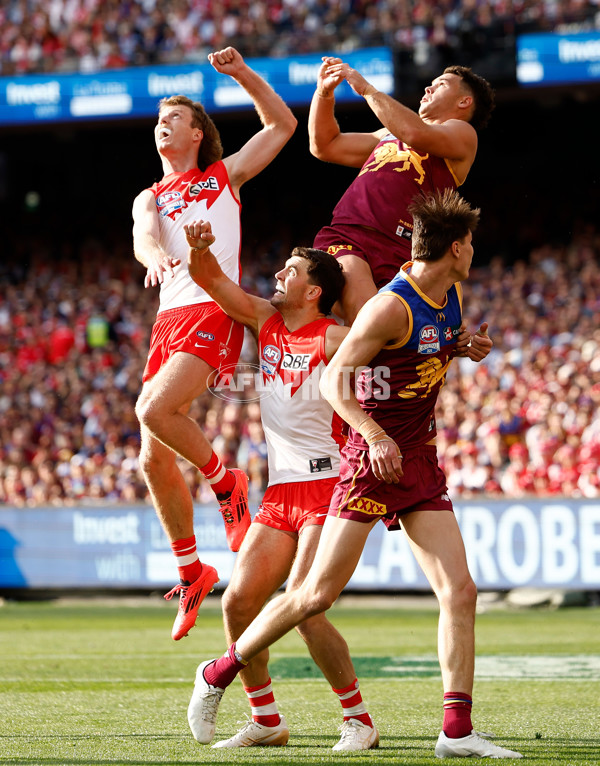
(101, 682)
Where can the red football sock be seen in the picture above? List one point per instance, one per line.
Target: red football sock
(457, 715)
(221, 672)
(220, 479)
(262, 702)
(188, 563)
(352, 703)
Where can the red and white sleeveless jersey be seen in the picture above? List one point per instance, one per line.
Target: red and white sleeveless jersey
(303, 432)
(182, 198)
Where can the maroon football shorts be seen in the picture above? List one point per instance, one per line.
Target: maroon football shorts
(384, 256)
(361, 497)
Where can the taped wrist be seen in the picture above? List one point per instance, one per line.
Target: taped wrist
(370, 431)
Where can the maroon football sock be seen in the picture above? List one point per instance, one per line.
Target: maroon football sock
(221, 672)
(457, 715)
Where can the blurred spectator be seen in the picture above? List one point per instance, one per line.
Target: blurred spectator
(525, 422)
(536, 399)
(67, 36)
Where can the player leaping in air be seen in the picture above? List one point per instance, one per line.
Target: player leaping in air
(411, 154)
(192, 336)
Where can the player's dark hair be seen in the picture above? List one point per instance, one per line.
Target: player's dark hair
(484, 99)
(439, 219)
(325, 271)
(211, 148)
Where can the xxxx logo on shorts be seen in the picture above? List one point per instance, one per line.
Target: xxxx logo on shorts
(335, 249)
(366, 505)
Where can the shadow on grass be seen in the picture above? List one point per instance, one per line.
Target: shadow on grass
(304, 749)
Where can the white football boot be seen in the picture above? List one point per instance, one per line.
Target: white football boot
(471, 745)
(357, 736)
(254, 734)
(204, 706)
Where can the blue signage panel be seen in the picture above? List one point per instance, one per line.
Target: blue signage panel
(553, 59)
(135, 92)
(534, 543)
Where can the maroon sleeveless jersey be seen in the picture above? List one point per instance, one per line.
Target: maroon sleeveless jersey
(386, 185)
(400, 386)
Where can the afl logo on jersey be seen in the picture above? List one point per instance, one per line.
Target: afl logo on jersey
(170, 202)
(269, 358)
(429, 339)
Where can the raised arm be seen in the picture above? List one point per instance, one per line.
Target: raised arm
(326, 141)
(381, 320)
(146, 247)
(276, 117)
(205, 271)
(453, 139)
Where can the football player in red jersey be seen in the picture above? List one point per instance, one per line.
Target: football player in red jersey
(191, 336)
(296, 339)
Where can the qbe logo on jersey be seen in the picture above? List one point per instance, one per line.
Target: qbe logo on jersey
(429, 339)
(296, 362)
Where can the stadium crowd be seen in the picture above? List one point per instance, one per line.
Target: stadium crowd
(74, 333)
(89, 35)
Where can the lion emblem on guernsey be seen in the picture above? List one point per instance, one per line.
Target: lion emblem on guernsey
(389, 152)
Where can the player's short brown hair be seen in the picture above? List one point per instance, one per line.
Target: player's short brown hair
(211, 148)
(439, 219)
(483, 94)
(325, 271)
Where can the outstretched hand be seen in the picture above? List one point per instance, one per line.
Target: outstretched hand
(159, 269)
(327, 81)
(339, 71)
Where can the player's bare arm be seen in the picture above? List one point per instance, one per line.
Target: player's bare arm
(452, 138)
(276, 117)
(146, 247)
(381, 321)
(326, 141)
(205, 271)
(333, 337)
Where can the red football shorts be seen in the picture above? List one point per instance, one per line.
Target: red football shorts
(384, 256)
(361, 497)
(291, 507)
(202, 329)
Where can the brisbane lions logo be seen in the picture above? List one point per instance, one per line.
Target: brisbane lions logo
(390, 152)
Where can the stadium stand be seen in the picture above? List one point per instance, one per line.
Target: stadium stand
(89, 35)
(525, 423)
(74, 324)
